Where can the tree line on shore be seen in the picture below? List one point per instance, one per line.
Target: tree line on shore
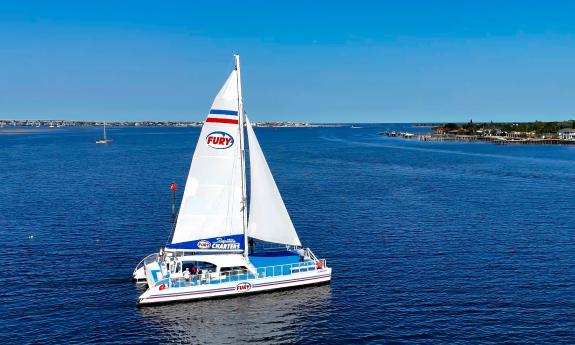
(537, 127)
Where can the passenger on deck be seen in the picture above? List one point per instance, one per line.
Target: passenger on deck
(301, 254)
(193, 270)
(187, 274)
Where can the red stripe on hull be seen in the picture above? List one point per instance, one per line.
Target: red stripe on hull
(232, 289)
(211, 119)
(193, 293)
(291, 281)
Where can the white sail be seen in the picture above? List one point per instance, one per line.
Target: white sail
(269, 220)
(211, 212)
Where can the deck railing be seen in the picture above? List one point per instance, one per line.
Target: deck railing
(211, 278)
(150, 258)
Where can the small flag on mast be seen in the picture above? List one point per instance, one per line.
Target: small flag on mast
(174, 188)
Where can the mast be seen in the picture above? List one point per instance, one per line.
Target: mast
(105, 135)
(242, 154)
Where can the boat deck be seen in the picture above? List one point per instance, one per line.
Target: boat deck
(267, 264)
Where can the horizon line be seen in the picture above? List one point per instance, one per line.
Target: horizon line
(310, 122)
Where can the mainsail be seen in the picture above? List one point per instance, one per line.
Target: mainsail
(211, 212)
(269, 220)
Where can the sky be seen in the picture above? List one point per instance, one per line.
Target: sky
(313, 61)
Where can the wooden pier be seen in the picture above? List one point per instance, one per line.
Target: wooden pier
(495, 140)
(498, 140)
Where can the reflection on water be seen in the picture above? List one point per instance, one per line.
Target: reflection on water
(272, 318)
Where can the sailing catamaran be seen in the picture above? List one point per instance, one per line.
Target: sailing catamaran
(105, 140)
(215, 250)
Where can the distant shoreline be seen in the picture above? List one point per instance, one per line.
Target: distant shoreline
(4, 124)
(499, 140)
(547, 133)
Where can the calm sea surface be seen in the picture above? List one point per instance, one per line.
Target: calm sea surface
(429, 242)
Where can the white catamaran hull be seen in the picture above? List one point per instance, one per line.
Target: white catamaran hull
(235, 288)
(139, 275)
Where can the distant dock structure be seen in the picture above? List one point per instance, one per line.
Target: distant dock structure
(498, 140)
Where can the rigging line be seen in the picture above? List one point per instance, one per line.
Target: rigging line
(242, 152)
(175, 218)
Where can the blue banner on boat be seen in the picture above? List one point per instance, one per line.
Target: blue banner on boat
(219, 244)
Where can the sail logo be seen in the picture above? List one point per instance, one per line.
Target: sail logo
(226, 244)
(219, 140)
(203, 244)
(243, 287)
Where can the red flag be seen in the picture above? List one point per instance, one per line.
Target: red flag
(174, 186)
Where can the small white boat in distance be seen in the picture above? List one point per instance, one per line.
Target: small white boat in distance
(105, 140)
(215, 250)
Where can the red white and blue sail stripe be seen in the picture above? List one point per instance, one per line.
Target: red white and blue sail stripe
(223, 116)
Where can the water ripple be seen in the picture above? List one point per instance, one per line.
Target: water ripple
(430, 242)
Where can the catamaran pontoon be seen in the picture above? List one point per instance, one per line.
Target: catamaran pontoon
(212, 251)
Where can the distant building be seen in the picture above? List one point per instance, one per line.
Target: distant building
(524, 135)
(497, 132)
(567, 134)
(549, 136)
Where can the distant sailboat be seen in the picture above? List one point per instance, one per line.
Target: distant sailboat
(212, 251)
(105, 140)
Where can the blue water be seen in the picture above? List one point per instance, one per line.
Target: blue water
(430, 242)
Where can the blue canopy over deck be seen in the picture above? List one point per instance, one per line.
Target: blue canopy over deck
(266, 259)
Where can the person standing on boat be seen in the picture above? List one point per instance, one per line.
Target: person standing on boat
(301, 254)
(193, 273)
(187, 274)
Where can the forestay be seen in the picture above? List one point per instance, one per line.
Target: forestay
(269, 220)
(210, 217)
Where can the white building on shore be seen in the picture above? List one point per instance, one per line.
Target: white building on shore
(567, 134)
